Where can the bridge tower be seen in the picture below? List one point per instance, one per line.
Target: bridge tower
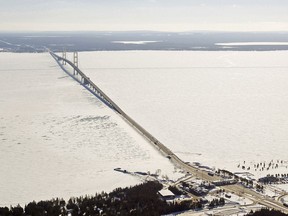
(75, 61)
(64, 57)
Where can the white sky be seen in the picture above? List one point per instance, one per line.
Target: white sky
(159, 15)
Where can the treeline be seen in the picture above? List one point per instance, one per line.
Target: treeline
(216, 202)
(141, 199)
(266, 212)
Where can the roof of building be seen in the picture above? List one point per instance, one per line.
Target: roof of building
(166, 192)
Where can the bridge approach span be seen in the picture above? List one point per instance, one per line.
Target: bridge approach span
(88, 83)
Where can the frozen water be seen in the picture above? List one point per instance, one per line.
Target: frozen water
(57, 139)
(223, 109)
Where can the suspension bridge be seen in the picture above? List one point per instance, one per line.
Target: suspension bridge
(86, 82)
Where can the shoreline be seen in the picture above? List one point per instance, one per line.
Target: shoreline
(206, 176)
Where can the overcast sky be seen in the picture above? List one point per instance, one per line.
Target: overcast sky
(159, 15)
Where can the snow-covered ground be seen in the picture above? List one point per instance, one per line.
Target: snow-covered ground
(283, 187)
(285, 199)
(226, 210)
(222, 109)
(57, 139)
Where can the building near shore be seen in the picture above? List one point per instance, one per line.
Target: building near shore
(166, 194)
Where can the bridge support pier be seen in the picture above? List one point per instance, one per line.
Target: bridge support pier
(75, 61)
(64, 57)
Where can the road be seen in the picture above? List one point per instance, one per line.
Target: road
(238, 189)
(235, 188)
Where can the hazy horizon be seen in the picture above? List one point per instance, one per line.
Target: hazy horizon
(137, 31)
(155, 15)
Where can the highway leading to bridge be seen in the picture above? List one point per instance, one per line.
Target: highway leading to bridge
(239, 189)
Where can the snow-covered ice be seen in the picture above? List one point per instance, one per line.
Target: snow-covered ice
(134, 42)
(222, 109)
(253, 44)
(57, 139)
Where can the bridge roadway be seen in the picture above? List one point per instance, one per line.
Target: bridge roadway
(236, 188)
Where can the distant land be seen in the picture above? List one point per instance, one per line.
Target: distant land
(142, 40)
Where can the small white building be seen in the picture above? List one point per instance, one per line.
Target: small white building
(166, 194)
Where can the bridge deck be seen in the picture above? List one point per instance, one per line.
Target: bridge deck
(93, 87)
(250, 194)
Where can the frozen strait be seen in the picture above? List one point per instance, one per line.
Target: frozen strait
(58, 140)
